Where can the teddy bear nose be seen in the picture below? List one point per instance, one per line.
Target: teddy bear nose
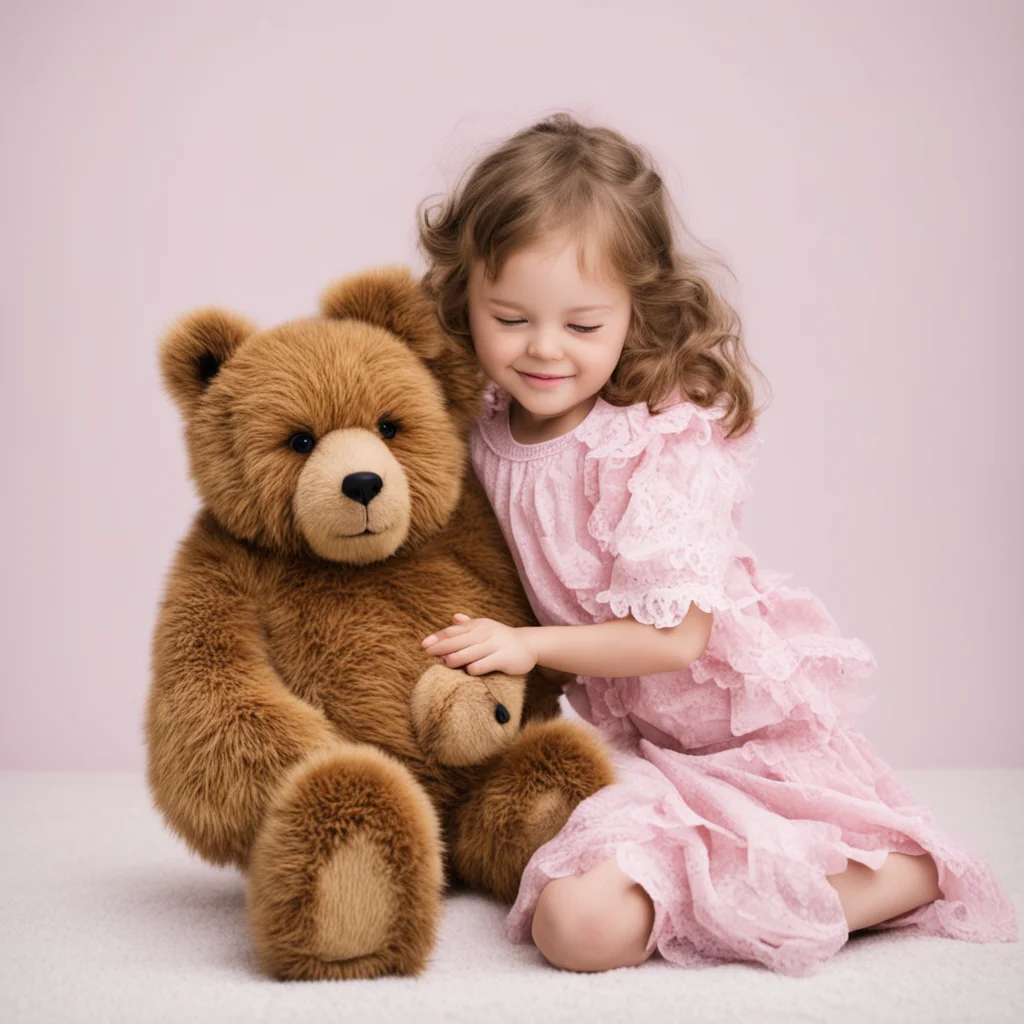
(361, 487)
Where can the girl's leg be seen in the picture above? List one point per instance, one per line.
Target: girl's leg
(901, 884)
(602, 919)
(595, 921)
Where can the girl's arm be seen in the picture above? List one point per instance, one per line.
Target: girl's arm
(618, 647)
(621, 647)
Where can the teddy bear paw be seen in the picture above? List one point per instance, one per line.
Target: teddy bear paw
(461, 719)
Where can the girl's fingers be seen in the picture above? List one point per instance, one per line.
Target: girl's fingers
(489, 664)
(453, 644)
(459, 617)
(450, 646)
(468, 654)
(445, 634)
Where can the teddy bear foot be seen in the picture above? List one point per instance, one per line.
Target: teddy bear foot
(346, 875)
(544, 817)
(524, 799)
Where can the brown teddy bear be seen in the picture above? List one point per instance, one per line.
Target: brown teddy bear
(295, 727)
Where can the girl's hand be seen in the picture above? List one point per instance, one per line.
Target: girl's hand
(482, 645)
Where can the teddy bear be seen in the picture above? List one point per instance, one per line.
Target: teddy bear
(295, 726)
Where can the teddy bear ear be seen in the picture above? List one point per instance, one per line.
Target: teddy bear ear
(195, 348)
(391, 298)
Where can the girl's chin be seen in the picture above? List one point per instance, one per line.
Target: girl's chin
(553, 406)
(544, 405)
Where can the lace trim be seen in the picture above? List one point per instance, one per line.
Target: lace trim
(494, 400)
(663, 607)
(812, 677)
(623, 433)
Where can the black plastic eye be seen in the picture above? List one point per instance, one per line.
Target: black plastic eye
(387, 429)
(301, 442)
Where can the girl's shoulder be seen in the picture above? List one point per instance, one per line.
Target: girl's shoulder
(682, 428)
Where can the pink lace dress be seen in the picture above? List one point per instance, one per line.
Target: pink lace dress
(742, 782)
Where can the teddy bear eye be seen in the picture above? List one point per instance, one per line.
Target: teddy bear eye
(301, 442)
(387, 429)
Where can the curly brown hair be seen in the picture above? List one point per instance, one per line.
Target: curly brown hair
(684, 339)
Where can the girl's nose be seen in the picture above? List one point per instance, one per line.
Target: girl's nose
(544, 345)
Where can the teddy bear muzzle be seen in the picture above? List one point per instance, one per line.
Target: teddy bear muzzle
(352, 499)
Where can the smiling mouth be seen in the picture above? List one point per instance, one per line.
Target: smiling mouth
(545, 376)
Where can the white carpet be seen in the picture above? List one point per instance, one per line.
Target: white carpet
(105, 917)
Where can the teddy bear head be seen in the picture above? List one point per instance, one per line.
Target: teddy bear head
(341, 436)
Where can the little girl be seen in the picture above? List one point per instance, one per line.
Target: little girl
(750, 821)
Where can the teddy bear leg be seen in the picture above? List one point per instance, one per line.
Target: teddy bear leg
(346, 875)
(524, 798)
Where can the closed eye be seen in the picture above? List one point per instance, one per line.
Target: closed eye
(578, 328)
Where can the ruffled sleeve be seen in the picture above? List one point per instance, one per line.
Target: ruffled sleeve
(667, 492)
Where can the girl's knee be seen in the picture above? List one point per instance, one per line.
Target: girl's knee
(567, 927)
(580, 929)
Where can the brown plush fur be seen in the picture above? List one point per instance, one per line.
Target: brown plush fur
(295, 727)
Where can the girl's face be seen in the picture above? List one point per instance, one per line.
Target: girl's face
(547, 334)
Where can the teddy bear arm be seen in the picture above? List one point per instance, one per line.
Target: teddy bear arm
(481, 548)
(222, 729)
(463, 720)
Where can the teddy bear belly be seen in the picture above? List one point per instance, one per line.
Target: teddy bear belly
(350, 643)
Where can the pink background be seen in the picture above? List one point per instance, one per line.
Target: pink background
(858, 165)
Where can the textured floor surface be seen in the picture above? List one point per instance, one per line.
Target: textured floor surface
(105, 917)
